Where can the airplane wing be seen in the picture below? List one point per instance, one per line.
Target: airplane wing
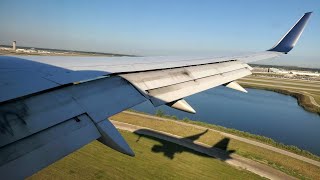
(51, 106)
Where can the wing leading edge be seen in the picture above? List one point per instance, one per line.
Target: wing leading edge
(70, 98)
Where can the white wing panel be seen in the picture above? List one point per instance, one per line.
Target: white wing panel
(160, 78)
(164, 86)
(171, 93)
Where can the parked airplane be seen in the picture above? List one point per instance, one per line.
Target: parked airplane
(51, 106)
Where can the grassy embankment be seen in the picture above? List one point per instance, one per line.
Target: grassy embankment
(281, 162)
(306, 92)
(96, 161)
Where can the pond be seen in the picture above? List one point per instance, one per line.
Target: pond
(259, 112)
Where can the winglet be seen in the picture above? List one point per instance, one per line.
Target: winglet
(289, 40)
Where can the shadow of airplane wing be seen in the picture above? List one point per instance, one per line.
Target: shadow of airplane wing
(170, 146)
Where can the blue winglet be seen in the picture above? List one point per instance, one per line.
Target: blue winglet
(289, 40)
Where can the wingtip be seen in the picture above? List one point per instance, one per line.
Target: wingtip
(289, 40)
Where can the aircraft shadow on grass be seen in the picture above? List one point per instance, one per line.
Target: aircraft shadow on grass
(172, 145)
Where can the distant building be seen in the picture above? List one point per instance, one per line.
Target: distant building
(14, 47)
(301, 73)
(279, 71)
(274, 70)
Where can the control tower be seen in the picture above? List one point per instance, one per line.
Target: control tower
(14, 47)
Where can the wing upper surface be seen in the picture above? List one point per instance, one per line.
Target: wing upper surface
(21, 76)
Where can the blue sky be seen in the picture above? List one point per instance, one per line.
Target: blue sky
(163, 27)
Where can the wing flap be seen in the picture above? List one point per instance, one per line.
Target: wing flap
(174, 92)
(160, 78)
(164, 86)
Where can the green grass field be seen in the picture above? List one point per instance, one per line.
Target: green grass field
(291, 166)
(96, 161)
